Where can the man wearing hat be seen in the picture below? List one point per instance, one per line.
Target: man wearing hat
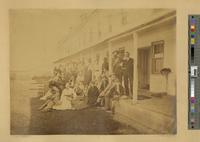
(128, 73)
(117, 68)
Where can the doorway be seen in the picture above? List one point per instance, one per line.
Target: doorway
(144, 68)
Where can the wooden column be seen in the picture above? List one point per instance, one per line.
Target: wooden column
(110, 57)
(135, 72)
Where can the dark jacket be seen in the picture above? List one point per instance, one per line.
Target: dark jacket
(87, 76)
(128, 67)
(105, 66)
(117, 68)
(93, 93)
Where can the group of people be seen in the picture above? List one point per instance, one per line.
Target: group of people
(122, 66)
(78, 85)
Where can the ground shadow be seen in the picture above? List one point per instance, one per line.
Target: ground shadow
(86, 121)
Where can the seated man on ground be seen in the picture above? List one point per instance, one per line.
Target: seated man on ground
(102, 86)
(80, 99)
(112, 93)
(93, 93)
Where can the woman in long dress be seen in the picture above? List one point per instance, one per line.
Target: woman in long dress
(66, 99)
(52, 83)
(51, 100)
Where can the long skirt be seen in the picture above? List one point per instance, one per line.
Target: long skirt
(80, 102)
(65, 103)
(48, 93)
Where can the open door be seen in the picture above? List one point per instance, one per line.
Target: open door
(144, 68)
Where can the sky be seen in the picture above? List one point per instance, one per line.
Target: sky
(35, 36)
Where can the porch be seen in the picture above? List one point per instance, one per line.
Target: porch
(151, 114)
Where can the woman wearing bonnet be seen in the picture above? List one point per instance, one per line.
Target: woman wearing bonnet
(66, 98)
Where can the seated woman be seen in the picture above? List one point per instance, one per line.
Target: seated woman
(49, 92)
(80, 100)
(52, 99)
(79, 89)
(55, 80)
(65, 101)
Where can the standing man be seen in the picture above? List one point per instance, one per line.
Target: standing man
(105, 66)
(117, 67)
(88, 73)
(128, 73)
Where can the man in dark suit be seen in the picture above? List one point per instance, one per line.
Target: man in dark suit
(128, 73)
(105, 65)
(117, 69)
(87, 74)
(93, 93)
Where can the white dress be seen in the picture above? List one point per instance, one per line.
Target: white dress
(65, 100)
(47, 94)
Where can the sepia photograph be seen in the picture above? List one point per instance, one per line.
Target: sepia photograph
(93, 71)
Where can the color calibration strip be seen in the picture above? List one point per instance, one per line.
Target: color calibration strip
(193, 73)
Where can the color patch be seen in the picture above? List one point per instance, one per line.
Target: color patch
(192, 33)
(192, 90)
(192, 120)
(193, 36)
(192, 108)
(192, 26)
(193, 30)
(192, 100)
(192, 21)
(192, 41)
(192, 46)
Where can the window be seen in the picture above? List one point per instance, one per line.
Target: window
(109, 23)
(157, 56)
(99, 30)
(124, 19)
(99, 33)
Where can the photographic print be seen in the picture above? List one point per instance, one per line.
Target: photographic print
(92, 71)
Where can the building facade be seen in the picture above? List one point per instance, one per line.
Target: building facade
(149, 35)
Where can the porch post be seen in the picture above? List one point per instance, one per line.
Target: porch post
(135, 72)
(110, 57)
